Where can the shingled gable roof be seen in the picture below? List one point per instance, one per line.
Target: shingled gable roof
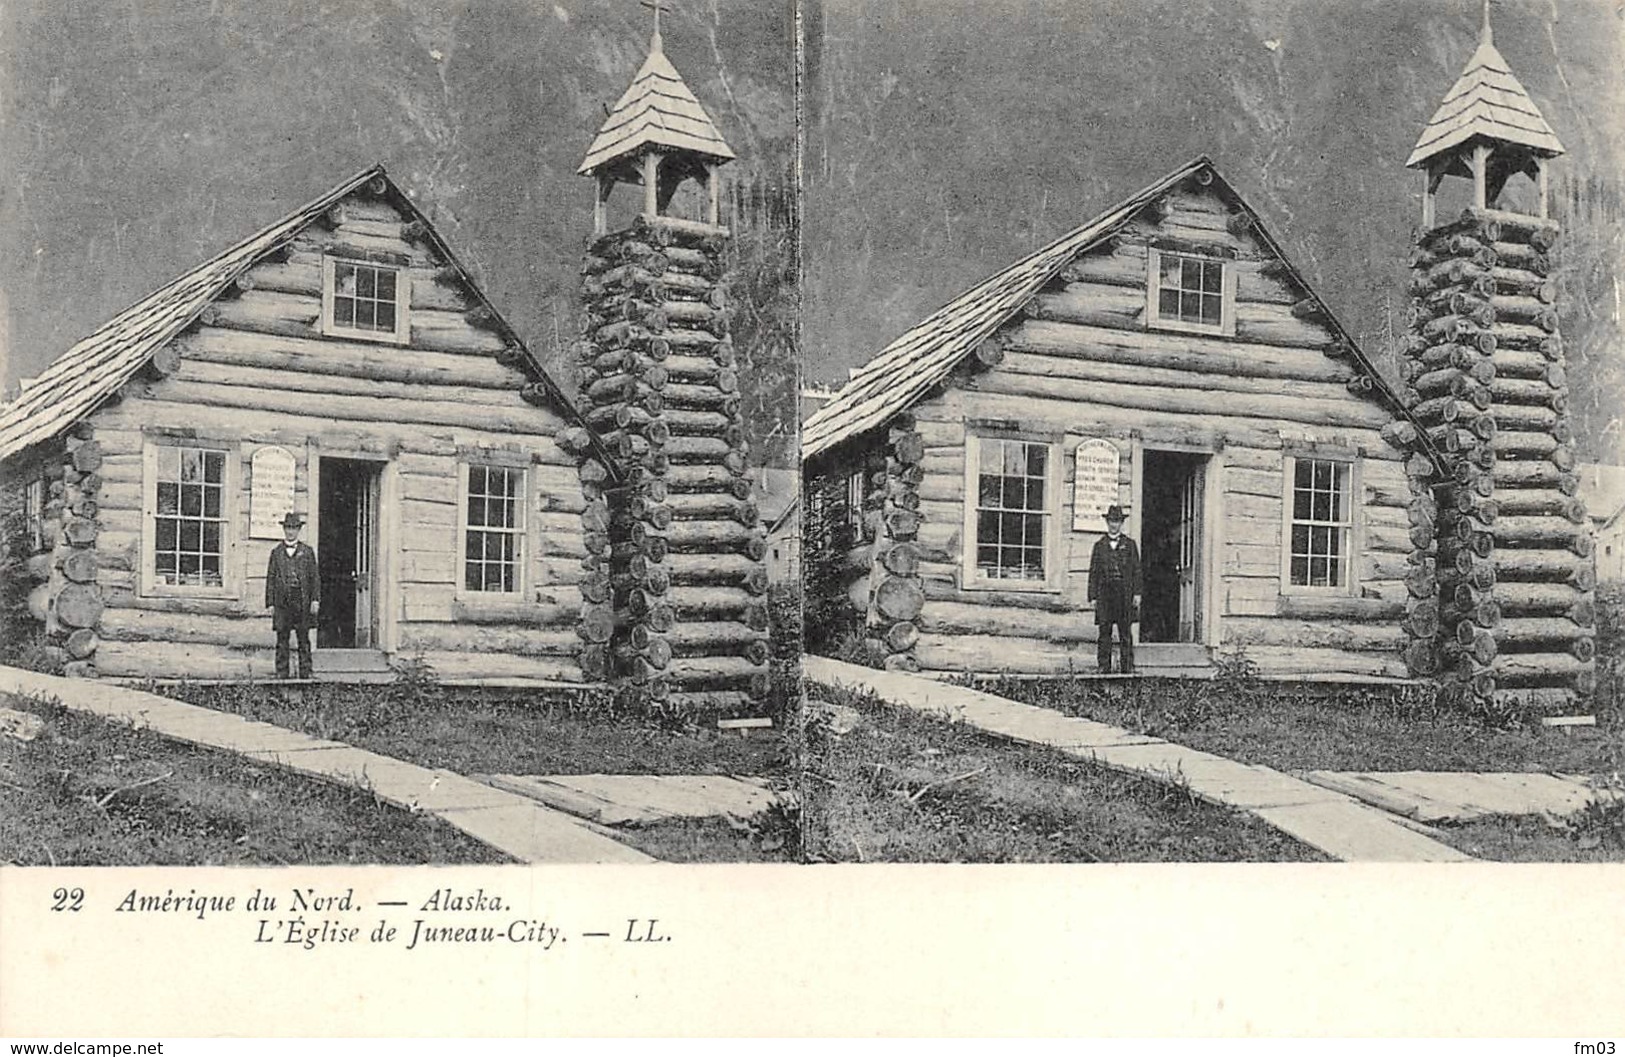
(657, 110)
(925, 355)
(1488, 101)
(81, 379)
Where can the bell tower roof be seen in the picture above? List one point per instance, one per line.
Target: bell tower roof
(657, 111)
(1486, 102)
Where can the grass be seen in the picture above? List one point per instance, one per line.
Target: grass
(487, 731)
(902, 787)
(90, 792)
(1301, 727)
(1587, 839)
(483, 731)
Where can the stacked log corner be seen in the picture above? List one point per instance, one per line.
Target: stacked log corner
(64, 600)
(677, 617)
(892, 507)
(1502, 593)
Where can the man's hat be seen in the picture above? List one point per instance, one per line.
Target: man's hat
(293, 520)
(1115, 513)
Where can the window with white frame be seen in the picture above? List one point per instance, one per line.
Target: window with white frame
(1189, 292)
(493, 528)
(34, 514)
(362, 299)
(1012, 511)
(1320, 524)
(189, 517)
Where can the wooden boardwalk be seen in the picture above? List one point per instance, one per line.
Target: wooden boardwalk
(514, 825)
(1339, 825)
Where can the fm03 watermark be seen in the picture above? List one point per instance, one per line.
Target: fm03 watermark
(1604, 1048)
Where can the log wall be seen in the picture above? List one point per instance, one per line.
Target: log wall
(676, 569)
(1081, 363)
(1504, 607)
(255, 370)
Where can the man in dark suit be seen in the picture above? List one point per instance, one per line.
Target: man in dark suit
(292, 593)
(1114, 588)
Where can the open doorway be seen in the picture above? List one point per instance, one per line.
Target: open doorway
(1172, 553)
(347, 554)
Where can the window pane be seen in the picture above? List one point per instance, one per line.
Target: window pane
(988, 490)
(344, 279)
(343, 312)
(191, 465)
(169, 464)
(386, 318)
(1168, 303)
(1015, 493)
(191, 535)
(191, 501)
(1015, 459)
(1172, 269)
(169, 501)
(1035, 493)
(211, 537)
(386, 286)
(1037, 459)
(1211, 307)
(476, 511)
(987, 527)
(365, 282)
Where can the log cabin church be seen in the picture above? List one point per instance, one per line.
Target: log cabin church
(341, 364)
(338, 364)
(1166, 356)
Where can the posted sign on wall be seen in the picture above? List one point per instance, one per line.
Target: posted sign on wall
(270, 491)
(1094, 484)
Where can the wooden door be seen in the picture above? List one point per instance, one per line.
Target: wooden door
(1189, 530)
(366, 553)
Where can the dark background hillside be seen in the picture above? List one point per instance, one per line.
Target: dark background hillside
(947, 138)
(140, 137)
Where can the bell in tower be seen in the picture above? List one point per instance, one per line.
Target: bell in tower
(658, 135)
(1486, 130)
(1502, 605)
(674, 607)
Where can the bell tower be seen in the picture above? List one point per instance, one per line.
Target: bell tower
(675, 579)
(1502, 605)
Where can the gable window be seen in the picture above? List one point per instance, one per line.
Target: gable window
(188, 517)
(493, 528)
(1320, 524)
(1010, 521)
(1188, 292)
(364, 300)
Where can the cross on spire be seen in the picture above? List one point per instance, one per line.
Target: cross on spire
(657, 6)
(1485, 35)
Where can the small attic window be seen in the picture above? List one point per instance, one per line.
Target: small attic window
(1188, 292)
(364, 299)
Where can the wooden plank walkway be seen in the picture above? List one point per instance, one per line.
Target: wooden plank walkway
(1451, 796)
(638, 799)
(1338, 825)
(513, 824)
